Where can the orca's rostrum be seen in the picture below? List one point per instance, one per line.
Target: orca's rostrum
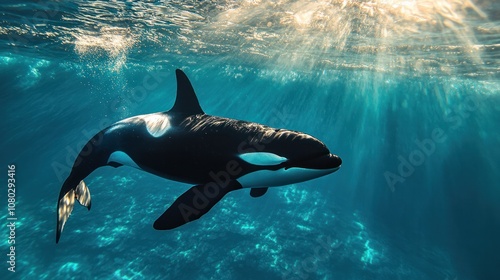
(217, 155)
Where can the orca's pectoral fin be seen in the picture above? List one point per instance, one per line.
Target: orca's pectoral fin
(66, 203)
(193, 204)
(258, 192)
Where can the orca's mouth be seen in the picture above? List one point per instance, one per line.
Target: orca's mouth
(328, 161)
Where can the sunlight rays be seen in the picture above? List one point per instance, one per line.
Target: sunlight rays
(436, 37)
(332, 33)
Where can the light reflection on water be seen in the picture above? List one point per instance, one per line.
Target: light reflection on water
(443, 37)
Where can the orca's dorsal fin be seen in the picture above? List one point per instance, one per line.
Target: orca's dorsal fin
(186, 101)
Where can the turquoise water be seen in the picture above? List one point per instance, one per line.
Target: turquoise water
(407, 93)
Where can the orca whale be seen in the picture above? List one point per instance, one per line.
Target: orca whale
(217, 155)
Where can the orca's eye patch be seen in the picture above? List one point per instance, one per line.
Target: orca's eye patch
(263, 158)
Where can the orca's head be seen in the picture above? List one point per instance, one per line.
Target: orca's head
(288, 157)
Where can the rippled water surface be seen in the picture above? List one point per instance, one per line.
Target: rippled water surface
(406, 92)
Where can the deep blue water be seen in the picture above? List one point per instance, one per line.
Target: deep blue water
(406, 92)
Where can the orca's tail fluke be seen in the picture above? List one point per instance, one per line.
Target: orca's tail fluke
(66, 203)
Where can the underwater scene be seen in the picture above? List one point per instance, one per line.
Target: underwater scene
(404, 94)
